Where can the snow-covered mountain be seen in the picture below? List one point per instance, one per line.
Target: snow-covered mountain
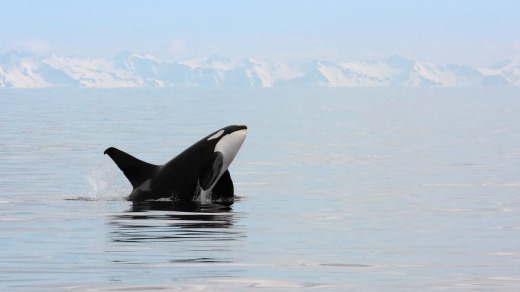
(23, 70)
(506, 72)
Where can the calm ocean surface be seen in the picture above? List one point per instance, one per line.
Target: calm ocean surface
(363, 190)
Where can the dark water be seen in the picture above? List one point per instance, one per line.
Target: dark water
(340, 189)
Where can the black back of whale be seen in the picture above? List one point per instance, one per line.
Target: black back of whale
(182, 177)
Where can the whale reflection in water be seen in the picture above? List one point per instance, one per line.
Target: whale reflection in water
(166, 221)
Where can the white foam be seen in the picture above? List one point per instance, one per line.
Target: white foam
(204, 197)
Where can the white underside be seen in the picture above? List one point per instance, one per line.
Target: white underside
(229, 146)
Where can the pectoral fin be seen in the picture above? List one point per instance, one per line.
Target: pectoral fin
(223, 192)
(210, 172)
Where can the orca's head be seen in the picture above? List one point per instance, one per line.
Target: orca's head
(228, 141)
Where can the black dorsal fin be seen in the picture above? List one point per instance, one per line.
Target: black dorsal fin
(137, 171)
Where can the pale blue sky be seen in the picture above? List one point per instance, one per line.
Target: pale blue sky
(467, 32)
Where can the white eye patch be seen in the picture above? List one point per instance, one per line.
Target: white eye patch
(217, 134)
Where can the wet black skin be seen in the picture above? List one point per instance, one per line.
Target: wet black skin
(179, 179)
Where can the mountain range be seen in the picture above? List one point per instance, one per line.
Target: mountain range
(25, 70)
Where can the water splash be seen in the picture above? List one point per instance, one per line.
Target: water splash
(203, 197)
(105, 183)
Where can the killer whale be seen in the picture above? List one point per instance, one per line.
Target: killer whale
(200, 169)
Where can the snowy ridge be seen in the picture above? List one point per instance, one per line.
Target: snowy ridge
(23, 70)
(506, 72)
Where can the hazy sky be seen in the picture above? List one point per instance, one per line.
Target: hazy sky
(453, 31)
